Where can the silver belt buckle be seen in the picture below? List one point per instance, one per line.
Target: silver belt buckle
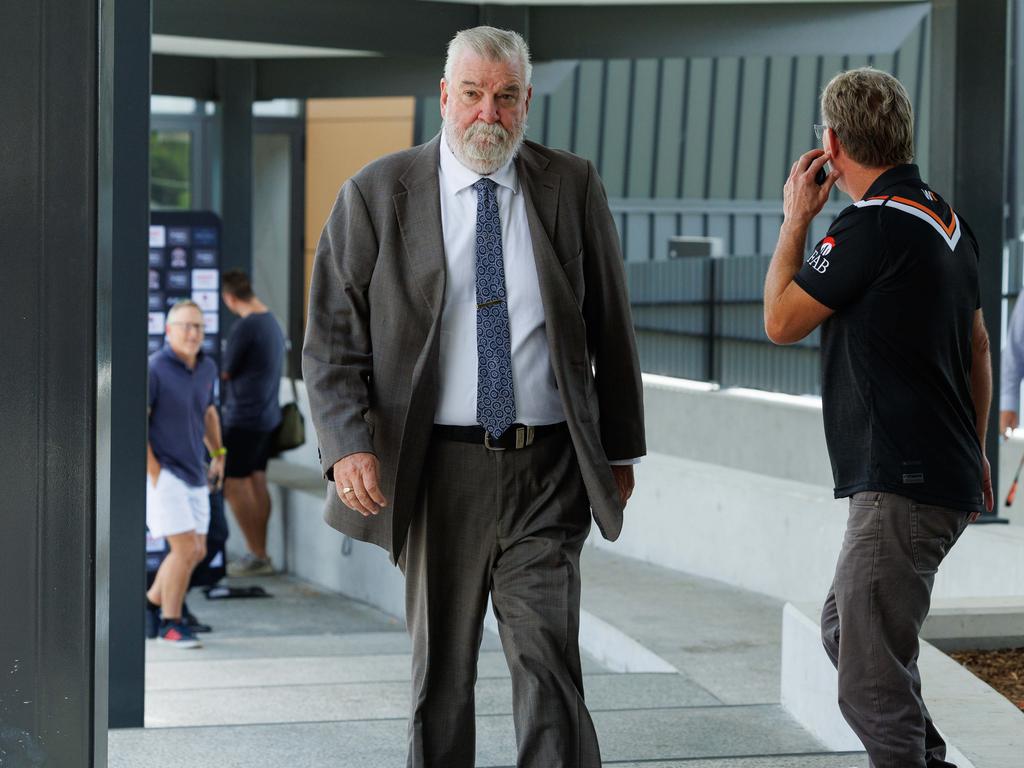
(524, 438)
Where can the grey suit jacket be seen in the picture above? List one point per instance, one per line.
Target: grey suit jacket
(370, 358)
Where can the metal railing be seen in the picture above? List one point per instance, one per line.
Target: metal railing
(701, 317)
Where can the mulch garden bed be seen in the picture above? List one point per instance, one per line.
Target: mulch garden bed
(1003, 670)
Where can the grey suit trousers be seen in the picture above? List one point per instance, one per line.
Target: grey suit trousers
(509, 524)
(873, 616)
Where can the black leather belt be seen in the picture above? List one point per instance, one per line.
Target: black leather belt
(515, 437)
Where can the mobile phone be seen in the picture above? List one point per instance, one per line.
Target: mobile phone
(820, 176)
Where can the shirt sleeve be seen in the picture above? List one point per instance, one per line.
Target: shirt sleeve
(846, 261)
(154, 387)
(1012, 361)
(214, 384)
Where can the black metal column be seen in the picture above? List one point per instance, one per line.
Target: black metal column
(57, 225)
(236, 86)
(968, 146)
(123, 314)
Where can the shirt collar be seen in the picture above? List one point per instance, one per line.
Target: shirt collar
(898, 174)
(456, 177)
(173, 356)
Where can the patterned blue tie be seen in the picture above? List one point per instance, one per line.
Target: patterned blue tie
(495, 399)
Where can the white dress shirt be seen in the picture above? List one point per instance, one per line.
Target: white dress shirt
(533, 381)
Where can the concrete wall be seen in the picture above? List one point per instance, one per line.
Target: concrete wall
(736, 487)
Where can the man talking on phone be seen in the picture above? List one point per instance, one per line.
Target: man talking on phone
(906, 384)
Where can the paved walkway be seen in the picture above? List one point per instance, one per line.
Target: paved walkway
(309, 679)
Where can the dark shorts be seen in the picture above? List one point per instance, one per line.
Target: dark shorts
(248, 451)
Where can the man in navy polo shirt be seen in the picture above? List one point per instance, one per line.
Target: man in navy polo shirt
(183, 427)
(906, 384)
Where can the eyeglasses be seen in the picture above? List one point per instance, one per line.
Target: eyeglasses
(197, 327)
(819, 130)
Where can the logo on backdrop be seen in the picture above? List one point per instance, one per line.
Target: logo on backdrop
(817, 260)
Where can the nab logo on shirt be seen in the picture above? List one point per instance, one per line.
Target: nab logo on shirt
(817, 260)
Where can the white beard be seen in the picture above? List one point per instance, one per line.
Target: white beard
(484, 157)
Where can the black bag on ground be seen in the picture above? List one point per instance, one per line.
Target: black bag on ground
(291, 432)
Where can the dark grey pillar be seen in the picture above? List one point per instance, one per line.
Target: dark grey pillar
(514, 17)
(58, 217)
(123, 314)
(236, 86)
(968, 146)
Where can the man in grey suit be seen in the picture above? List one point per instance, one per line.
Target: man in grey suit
(473, 379)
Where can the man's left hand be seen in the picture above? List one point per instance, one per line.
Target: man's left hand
(624, 479)
(216, 473)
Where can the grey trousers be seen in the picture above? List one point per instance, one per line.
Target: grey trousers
(873, 616)
(509, 524)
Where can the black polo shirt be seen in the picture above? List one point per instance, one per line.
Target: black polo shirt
(900, 269)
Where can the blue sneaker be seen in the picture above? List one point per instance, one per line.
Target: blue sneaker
(177, 634)
(152, 620)
(190, 620)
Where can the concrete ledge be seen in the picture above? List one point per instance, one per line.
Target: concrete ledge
(975, 624)
(982, 728)
(780, 537)
(616, 650)
(297, 477)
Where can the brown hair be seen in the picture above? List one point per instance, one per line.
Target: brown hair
(236, 283)
(870, 112)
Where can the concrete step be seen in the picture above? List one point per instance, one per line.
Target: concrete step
(234, 673)
(220, 645)
(386, 700)
(727, 640)
(673, 734)
(824, 760)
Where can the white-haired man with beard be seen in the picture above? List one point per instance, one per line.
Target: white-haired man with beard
(474, 384)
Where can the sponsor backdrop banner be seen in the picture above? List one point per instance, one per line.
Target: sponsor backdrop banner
(184, 260)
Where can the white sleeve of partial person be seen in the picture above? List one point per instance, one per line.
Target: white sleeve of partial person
(1012, 361)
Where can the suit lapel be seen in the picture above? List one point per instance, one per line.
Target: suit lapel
(541, 187)
(540, 190)
(418, 210)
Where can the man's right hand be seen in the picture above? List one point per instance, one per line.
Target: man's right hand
(355, 479)
(1008, 422)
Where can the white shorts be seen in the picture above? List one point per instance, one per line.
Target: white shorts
(173, 507)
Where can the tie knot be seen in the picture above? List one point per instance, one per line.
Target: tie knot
(484, 185)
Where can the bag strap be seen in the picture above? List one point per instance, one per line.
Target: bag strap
(295, 391)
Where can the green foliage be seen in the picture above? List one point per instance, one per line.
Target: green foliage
(170, 182)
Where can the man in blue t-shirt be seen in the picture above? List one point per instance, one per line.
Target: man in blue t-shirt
(183, 428)
(252, 374)
(906, 384)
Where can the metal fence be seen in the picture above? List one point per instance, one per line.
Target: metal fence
(702, 317)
